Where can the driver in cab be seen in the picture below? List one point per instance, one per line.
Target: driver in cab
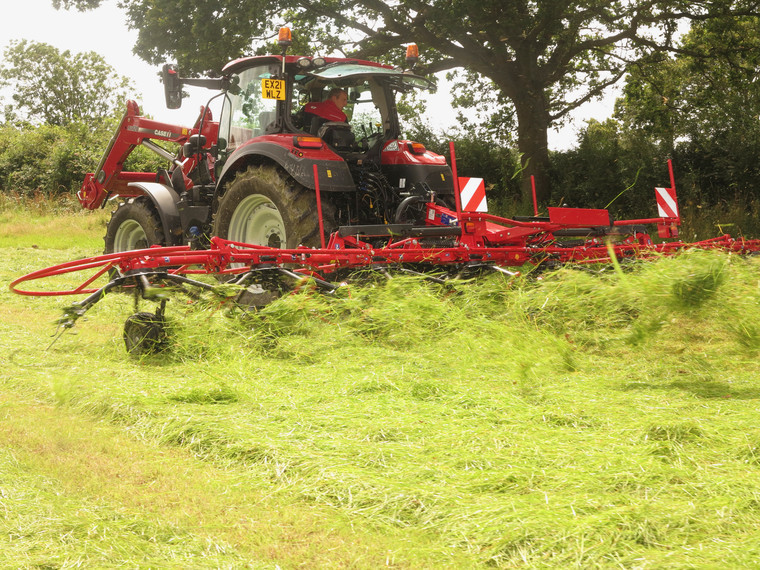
(331, 109)
(327, 120)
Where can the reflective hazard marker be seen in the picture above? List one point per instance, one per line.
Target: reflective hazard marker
(473, 194)
(667, 204)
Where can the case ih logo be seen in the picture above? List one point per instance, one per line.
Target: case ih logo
(156, 132)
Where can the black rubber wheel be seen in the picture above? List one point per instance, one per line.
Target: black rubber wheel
(145, 333)
(133, 225)
(262, 206)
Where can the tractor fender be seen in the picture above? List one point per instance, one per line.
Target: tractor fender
(332, 170)
(165, 200)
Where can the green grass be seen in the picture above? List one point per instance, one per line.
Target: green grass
(45, 528)
(52, 224)
(580, 418)
(737, 218)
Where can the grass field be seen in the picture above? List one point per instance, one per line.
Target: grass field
(577, 419)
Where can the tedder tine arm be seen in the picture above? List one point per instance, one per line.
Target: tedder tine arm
(329, 287)
(78, 309)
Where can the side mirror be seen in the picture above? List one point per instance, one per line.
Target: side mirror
(172, 86)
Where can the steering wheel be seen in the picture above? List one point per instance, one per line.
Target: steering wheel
(370, 140)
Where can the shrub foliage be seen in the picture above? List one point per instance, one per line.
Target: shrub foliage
(53, 160)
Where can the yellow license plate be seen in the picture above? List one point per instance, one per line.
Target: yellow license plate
(273, 89)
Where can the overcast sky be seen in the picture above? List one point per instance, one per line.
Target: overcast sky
(104, 31)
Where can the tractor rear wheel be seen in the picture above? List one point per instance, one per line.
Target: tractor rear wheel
(133, 225)
(263, 206)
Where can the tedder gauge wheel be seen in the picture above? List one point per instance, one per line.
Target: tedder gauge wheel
(145, 333)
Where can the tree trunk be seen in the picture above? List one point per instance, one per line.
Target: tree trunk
(533, 144)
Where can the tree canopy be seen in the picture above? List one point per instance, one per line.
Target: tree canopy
(545, 56)
(59, 88)
(704, 106)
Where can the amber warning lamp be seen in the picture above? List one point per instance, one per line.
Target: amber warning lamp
(412, 55)
(307, 142)
(285, 38)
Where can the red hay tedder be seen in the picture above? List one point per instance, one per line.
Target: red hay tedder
(282, 189)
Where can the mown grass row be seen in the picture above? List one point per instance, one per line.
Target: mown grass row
(584, 417)
(45, 528)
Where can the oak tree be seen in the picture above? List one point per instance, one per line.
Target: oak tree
(547, 57)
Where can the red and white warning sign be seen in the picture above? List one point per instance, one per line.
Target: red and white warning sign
(667, 204)
(472, 192)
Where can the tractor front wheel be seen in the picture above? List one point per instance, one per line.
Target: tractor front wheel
(133, 225)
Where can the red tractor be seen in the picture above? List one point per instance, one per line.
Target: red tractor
(250, 177)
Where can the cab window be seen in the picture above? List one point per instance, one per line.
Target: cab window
(246, 114)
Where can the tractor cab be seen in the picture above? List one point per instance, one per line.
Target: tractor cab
(266, 101)
(361, 160)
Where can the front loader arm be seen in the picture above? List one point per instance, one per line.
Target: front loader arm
(109, 179)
